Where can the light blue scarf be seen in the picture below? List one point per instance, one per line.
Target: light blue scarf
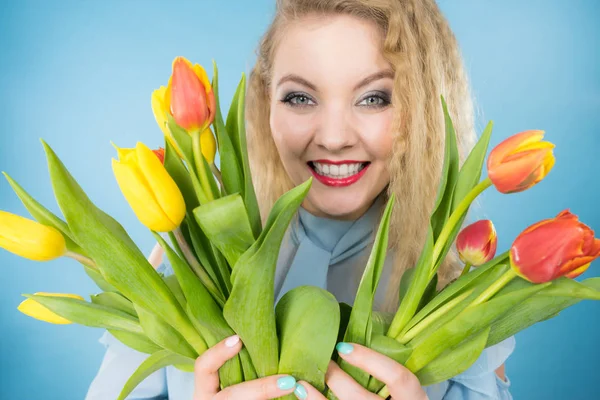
(322, 242)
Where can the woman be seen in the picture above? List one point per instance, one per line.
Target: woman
(347, 92)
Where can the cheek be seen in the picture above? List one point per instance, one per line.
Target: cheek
(291, 131)
(376, 134)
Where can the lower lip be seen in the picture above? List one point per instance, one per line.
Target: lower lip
(339, 182)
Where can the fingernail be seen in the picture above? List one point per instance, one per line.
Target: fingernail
(232, 341)
(286, 382)
(300, 392)
(344, 348)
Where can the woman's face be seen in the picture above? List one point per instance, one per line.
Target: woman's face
(331, 113)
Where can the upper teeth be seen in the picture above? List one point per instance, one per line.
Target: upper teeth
(338, 171)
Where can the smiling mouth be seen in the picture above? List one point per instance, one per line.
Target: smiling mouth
(338, 174)
(337, 171)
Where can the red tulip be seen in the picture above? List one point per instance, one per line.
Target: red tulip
(549, 249)
(520, 162)
(476, 244)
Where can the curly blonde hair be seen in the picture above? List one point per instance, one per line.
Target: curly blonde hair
(424, 54)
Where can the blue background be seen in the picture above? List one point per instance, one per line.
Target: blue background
(80, 74)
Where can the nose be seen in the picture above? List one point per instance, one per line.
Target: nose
(336, 131)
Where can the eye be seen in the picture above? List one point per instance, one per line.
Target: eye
(375, 100)
(298, 100)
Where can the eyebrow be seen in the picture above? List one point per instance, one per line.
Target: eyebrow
(388, 73)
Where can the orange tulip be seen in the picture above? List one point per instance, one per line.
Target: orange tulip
(476, 244)
(555, 247)
(520, 162)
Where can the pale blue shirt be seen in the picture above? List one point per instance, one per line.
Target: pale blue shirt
(342, 279)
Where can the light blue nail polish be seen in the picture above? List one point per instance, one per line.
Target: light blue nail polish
(300, 392)
(344, 348)
(286, 382)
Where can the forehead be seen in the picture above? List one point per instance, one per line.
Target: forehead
(329, 50)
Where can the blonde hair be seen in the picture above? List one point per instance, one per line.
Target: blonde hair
(423, 51)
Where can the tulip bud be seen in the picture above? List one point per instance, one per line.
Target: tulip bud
(476, 244)
(151, 192)
(30, 239)
(520, 162)
(190, 100)
(35, 310)
(555, 247)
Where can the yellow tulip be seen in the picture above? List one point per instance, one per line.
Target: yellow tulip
(149, 189)
(30, 239)
(35, 310)
(189, 99)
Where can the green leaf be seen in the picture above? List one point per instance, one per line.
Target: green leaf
(544, 305)
(467, 323)
(430, 292)
(391, 348)
(418, 284)
(454, 289)
(249, 309)
(114, 300)
(225, 222)
(443, 203)
(360, 325)
(454, 361)
(163, 334)
(204, 251)
(150, 365)
(99, 279)
(88, 314)
(381, 322)
(173, 284)
(138, 342)
(230, 159)
(470, 173)
(307, 323)
(120, 261)
(237, 131)
(181, 176)
(206, 315)
(184, 141)
(43, 215)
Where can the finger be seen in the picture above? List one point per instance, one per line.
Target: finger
(401, 382)
(344, 387)
(270, 387)
(305, 391)
(206, 368)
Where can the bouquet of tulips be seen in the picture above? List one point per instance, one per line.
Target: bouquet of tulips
(224, 258)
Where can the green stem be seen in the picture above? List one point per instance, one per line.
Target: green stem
(465, 269)
(431, 318)
(88, 262)
(494, 288)
(197, 268)
(454, 219)
(200, 168)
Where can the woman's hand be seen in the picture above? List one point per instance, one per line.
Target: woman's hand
(206, 377)
(402, 384)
